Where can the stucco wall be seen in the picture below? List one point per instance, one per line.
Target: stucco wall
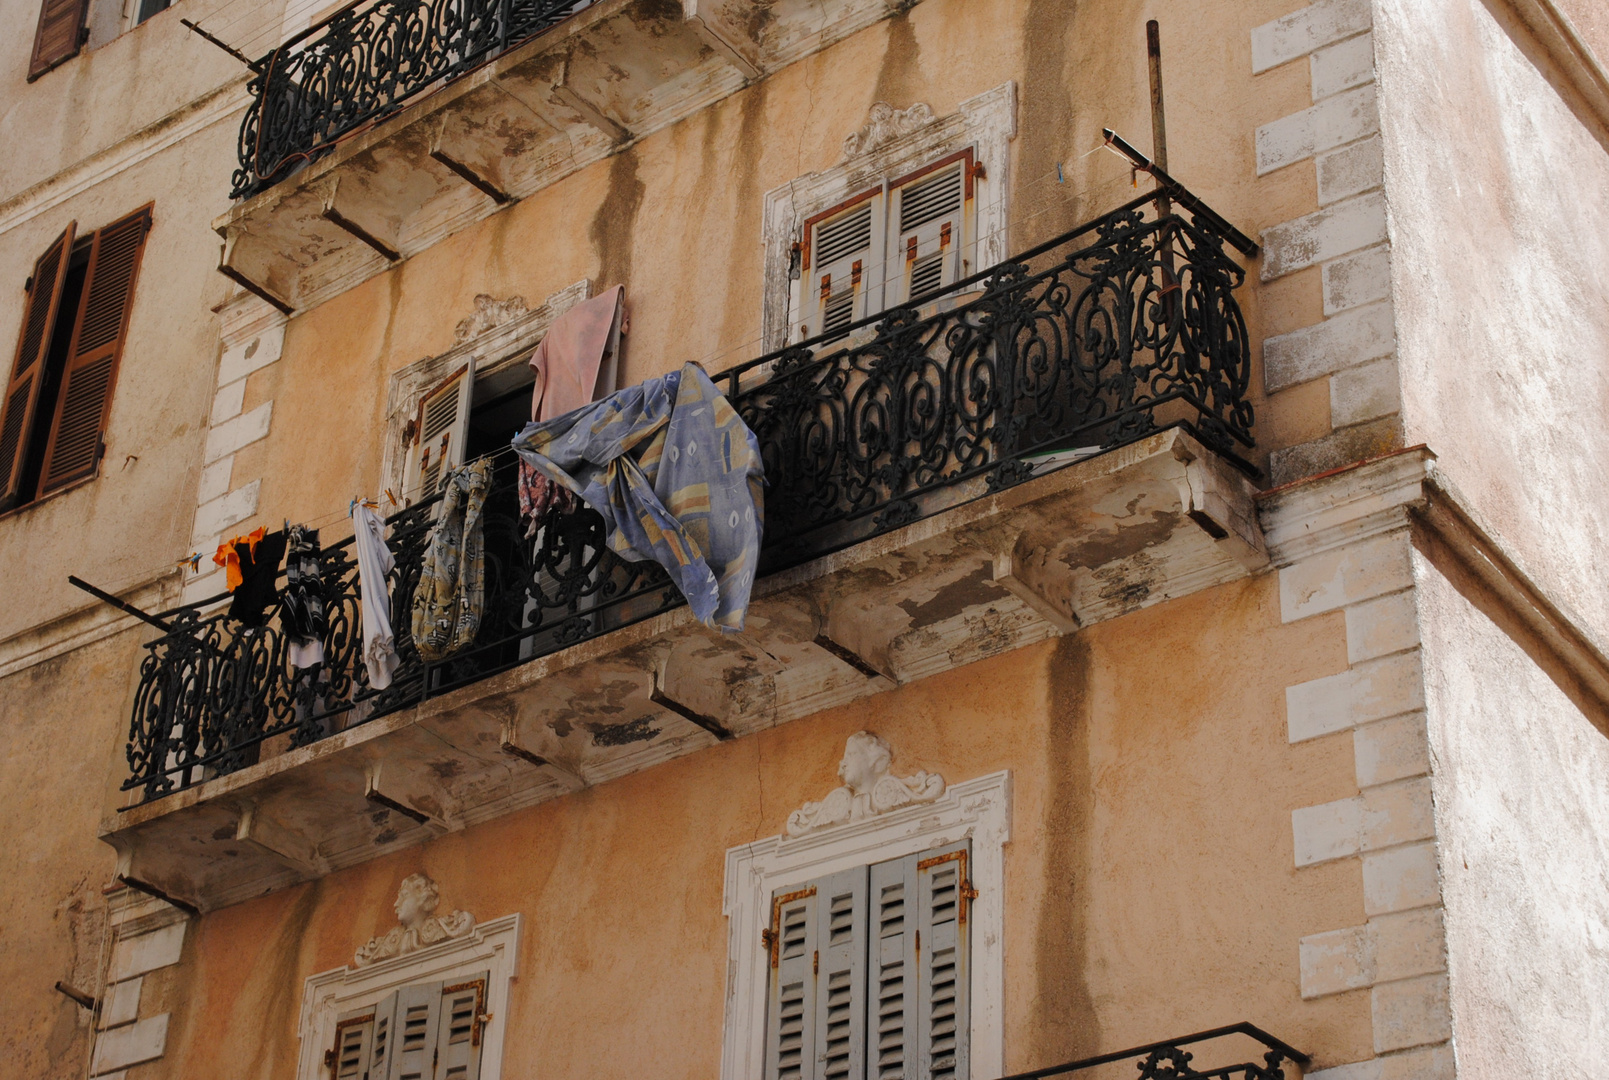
(60, 722)
(1150, 881)
(1522, 794)
(1500, 238)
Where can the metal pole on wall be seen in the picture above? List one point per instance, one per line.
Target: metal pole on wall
(1159, 154)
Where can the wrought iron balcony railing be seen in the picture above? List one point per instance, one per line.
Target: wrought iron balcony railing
(1091, 340)
(1169, 1060)
(363, 63)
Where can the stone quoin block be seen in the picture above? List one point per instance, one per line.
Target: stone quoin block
(1349, 170)
(1306, 29)
(214, 517)
(1336, 961)
(1394, 749)
(1354, 280)
(1407, 944)
(1429, 1063)
(214, 480)
(1328, 831)
(1344, 576)
(257, 351)
(1333, 122)
(1413, 1012)
(131, 1044)
(1381, 626)
(1347, 340)
(1342, 66)
(1379, 818)
(1341, 229)
(1368, 691)
(225, 438)
(228, 401)
(1366, 392)
(1400, 879)
(121, 1003)
(146, 952)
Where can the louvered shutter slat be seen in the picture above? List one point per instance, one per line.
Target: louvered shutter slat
(930, 233)
(841, 926)
(443, 425)
(459, 1034)
(97, 345)
(58, 36)
(791, 1009)
(843, 264)
(942, 999)
(22, 392)
(385, 1014)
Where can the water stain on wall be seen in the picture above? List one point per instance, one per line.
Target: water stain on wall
(615, 221)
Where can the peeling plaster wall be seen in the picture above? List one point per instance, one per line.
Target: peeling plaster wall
(1500, 278)
(1150, 885)
(1521, 782)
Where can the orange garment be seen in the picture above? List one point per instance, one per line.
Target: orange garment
(229, 559)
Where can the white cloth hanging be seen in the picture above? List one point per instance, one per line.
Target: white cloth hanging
(374, 563)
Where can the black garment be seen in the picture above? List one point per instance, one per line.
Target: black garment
(301, 606)
(259, 571)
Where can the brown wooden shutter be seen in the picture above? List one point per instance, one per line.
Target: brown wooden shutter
(60, 33)
(27, 373)
(92, 358)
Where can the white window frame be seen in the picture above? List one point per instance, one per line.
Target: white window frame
(485, 354)
(979, 810)
(986, 123)
(493, 947)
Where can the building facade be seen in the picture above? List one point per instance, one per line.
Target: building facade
(1177, 628)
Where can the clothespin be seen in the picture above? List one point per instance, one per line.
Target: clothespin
(391, 496)
(193, 561)
(351, 506)
(1060, 179)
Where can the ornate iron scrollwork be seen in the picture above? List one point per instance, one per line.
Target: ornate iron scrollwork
(1093, 340)
(361, 64)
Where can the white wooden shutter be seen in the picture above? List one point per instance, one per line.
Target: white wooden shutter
(354, 1045)
(413, 1033)
(843, 276)
(439, 433)
(942, 1007)
(891, 1023)
(379, 1063)
(458, 1038)
(790, 1025)
(928, 228)
(841, 985)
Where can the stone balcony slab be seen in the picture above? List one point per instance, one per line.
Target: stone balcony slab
(587, 88)
(1156, 519)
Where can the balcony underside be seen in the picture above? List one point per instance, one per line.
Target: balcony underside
(587, 88)
(1154, 520)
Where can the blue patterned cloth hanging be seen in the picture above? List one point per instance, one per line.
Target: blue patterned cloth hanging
(676, 475)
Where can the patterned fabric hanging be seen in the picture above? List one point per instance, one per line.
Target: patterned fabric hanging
(448, 602)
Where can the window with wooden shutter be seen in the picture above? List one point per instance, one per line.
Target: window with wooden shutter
(791, 1013)
(842, 265)
(59, 35)
(413, 1034)
(869, 976)
(350, 1057)
(28, 371)
(440, 432)
(928, 230)
(463, 1002)
(85, 400)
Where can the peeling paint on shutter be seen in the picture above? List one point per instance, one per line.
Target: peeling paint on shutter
(385, 1015)
(944, 980)
(791, 1010)
(85, 401)
(931, 210)
(459, 1036)
(414, 1033)
(441, 429)
(354, 1045)
(59, 35)
(841, 925)
(27, 371)
(892, 1022)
